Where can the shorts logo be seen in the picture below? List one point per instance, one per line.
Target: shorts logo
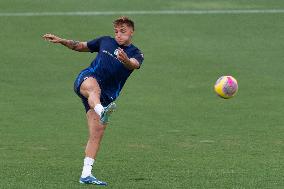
(116, 52)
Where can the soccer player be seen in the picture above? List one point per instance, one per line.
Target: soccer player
(100, 84)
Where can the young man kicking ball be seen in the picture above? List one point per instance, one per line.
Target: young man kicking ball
(100, 84)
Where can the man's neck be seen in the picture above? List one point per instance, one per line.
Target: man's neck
(127, 43)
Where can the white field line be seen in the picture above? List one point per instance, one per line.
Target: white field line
(154, 12)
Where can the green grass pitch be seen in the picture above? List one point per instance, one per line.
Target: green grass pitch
(170, 129)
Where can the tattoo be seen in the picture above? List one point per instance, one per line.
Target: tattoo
(74, 44)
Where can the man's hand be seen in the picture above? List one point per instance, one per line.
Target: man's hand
(122, 56)
(71, 44)
(131, 63)
(52, 38)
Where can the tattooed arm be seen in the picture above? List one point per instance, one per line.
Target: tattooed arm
(71, 44)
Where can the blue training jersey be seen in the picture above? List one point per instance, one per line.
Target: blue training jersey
(109, 71)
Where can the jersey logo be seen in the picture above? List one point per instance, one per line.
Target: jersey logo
(116, 52)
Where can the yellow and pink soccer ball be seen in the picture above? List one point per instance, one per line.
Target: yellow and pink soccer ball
(226, 87)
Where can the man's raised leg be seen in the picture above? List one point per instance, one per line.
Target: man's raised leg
(92, 91)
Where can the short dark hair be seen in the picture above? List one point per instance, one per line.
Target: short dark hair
(123, 20)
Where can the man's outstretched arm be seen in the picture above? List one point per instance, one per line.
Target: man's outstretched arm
(71, 44)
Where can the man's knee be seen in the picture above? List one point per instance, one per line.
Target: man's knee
(90, 86)
(97, 127)
(97, 133)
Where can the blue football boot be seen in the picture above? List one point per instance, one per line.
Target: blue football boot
(107, 112)
(92, 180)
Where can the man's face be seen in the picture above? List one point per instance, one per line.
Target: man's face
(123, 34)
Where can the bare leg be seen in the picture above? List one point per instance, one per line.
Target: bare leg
(96, 132)
(91, 90)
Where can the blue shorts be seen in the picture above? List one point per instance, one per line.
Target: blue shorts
(84, 74)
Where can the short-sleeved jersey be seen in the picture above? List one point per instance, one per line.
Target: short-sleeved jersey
(108, 70)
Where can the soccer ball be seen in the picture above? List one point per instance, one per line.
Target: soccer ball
(226, 87)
